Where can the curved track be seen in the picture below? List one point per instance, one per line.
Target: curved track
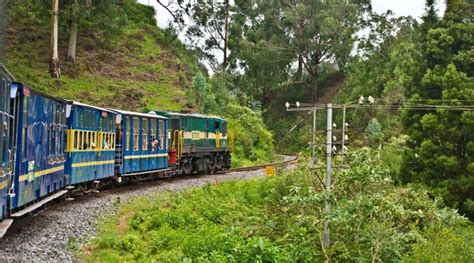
(53, 235)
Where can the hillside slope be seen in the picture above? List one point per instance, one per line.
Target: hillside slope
(137, 67)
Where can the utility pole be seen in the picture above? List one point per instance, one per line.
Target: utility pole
(327, 210)
(313, 142)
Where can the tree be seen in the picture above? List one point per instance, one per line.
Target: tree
(259, 48)
(322, 31)
(54, 67)
(442, 141)
(73, 11)
(207, 25)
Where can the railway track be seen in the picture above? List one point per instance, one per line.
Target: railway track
(52, 234)
(287, 161)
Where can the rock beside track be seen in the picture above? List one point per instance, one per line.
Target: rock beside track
(54, 235)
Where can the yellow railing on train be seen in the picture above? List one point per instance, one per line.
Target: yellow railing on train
(178, 142)
(218, 141)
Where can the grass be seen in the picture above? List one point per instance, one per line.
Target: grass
(280, 219)
(134, 70)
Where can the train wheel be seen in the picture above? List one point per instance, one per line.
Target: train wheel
(208, 165)
(219, 163)
(188, 167)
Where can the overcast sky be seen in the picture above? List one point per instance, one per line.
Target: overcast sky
(414, 8)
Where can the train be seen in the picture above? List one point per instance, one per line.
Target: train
(51, 147)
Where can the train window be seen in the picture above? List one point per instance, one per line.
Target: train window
(185, 122)
(94, 143)
(85, 119)
(50, 139)
(3, 87)
(216, 125)
(161, 133)
(153, 134)
(144, 134)
(56, 139)
(61, 141)
(111, 123)
(81, 119)
(127, 133)
(136, 133)
(57, 114)
(109, 141)
(76, 118)
(82, 141)
(112, 141)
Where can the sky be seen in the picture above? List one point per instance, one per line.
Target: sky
(414, 8)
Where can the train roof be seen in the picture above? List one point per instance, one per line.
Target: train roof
(198, 115)
(4, 70)
(89, 106)
(15, 85)
(148, 115)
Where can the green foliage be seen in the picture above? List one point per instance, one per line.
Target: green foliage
(444, 244)
(207, 100)
(123, 60)
(251, 141)
(441, 141)
(374, 132)
(280, 219)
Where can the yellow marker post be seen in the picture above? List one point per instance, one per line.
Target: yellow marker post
(270, 170)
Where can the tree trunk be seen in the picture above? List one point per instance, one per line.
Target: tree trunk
(266, 97)
(299, 71)
(71, 51)
(226, 29)
(54, 69)
(314, 83)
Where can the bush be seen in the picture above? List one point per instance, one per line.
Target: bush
(250, 142)
(281, 219)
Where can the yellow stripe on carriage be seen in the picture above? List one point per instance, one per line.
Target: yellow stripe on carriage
(146, 156)
(3, 184)
(76, 165)
(42, 172)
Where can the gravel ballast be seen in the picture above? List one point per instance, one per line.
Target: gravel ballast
(53, 235)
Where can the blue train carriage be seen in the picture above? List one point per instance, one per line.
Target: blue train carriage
(200, 142)
(6, 146)
(141, 145)
(90, 151)
(40, 149)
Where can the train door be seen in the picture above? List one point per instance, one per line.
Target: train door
(217, 129)
(175, 126)
(6, 165)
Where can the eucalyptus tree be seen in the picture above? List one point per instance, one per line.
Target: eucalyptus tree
(54, 67)
(322, 31)
(206, 24)
(259, 48)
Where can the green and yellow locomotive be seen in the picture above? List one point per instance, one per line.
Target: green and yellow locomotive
(198, 143)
